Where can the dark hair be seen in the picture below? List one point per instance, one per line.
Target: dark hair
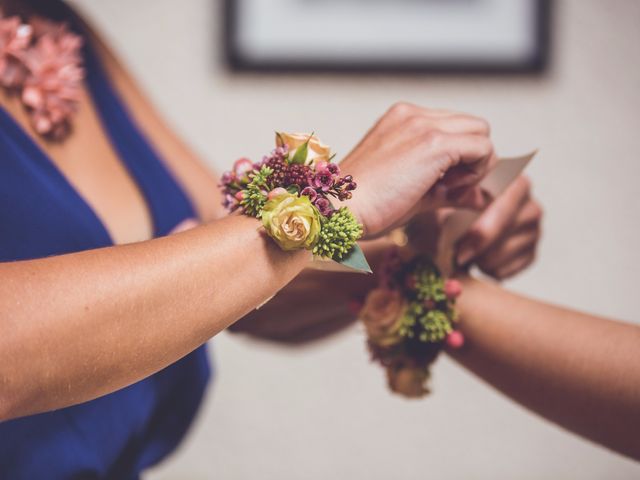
(52, 9)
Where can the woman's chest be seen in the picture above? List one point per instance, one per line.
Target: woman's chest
(93, 167)
(81, 194)
(89, 164)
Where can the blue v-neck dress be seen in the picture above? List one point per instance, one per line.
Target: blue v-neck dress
(120, 434)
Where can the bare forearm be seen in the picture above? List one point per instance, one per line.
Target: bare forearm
(313, 305)
(578, 370)
(78, 326)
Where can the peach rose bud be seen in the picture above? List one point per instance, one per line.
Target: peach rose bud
(242, 166)
(276, 192)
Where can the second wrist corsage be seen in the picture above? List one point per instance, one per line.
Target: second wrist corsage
(409, 318)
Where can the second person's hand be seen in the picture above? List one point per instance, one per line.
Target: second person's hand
(408, 152)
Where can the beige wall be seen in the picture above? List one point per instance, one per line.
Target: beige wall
(323, 412)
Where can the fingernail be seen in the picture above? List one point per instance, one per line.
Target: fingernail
(465, 254)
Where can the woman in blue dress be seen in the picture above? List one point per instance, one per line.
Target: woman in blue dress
(117, 264)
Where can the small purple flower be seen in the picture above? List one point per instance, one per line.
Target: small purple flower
(227, 178)
(322, 180)
(333, 169)
(229, 202)
(324, 206)
(351, 186)
(242, 166)
(280, 153)
(309, 192)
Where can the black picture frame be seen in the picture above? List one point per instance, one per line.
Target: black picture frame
(537, 63)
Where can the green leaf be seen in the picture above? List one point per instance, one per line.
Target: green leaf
(355, 260)
(293, 189)
(301, 153)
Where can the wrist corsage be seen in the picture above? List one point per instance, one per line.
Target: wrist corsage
(291, 192)
(409, 318)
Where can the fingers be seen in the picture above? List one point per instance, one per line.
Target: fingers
(408, 152)
(516, 266)
(418, 118)
(507, 250)
(530, 215)
(516, 248)
(462, 139)
(495, 222)
(453, 124)
(467, 159)
(470, 198)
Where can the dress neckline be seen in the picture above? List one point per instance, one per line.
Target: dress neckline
(55, 169)
(97, 80)
(25, 139)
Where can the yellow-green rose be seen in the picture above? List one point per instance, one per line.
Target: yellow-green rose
(316, 152)
(292, 221)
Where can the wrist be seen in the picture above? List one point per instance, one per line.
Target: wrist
(473, 291)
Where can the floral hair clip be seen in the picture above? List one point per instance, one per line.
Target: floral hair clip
(291, 191)
(409, 318)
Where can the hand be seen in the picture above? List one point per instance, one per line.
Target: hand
(503, 240)
(408, 152)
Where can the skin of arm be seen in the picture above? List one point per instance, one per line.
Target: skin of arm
(505, 237)
(577, 370)
(300, 313)
(78, 326)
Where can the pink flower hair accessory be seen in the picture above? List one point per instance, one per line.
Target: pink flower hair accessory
(15, 37)
(42, 62)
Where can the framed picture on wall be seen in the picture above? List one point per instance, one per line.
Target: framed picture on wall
(465, 36)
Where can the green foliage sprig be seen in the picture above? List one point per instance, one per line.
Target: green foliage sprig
(255, 195)
(430, 315)
(338, 236)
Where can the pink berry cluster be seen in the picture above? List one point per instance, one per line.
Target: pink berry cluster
(234, 182)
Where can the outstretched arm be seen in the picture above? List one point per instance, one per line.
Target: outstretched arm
(577, 370)
(78, 326)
